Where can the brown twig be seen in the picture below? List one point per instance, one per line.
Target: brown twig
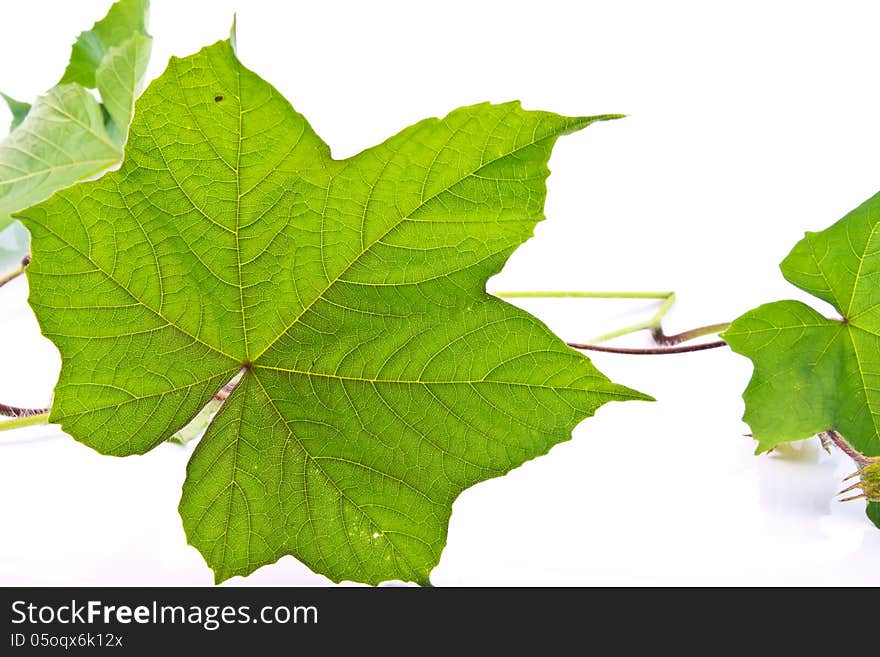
(650, 351)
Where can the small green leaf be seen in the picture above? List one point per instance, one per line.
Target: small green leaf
(67, 135)
(119, 79)
(813, 373)
(873, 512)
(125, 18)
(19, 110)
(378, 378)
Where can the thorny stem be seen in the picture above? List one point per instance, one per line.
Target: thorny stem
(867, 485)
(11, 276)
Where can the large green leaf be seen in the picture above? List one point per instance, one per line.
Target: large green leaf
(379, 378)
(813, 373)
(67, 135)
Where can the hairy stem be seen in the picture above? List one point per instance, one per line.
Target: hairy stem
(834, 436)
(26, 421)
(677, 338)
(18, 412)
(11, 276)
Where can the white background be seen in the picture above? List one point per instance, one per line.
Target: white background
(749, 123)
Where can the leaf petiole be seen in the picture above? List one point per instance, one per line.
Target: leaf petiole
(654, 324)
(11, 276)
(25, 421)
(835, 437)
(677, 338)
(650, 351)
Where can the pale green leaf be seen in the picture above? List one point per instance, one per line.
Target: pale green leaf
(67, 135)
(19, 110)
(378, 378)
(119, 78)
(33, 166)
(124, 19)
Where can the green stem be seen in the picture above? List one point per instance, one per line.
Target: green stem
(576, 294)
(17, 423)
(654, 324)
(651, 324)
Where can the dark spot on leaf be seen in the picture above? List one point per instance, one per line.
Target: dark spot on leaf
(217, 99)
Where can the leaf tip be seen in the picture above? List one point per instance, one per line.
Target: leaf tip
(625, 393)
(233, 39)
(576, 123)
(19, 216)
(763, 447)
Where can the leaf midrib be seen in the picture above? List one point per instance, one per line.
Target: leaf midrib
(864, 386)
(356, 379)
(309, 457)
(393, 227)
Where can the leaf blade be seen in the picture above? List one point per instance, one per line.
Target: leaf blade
(873, 512)
(124, 18)
(18, 109)
(33, 165)
(379, 378)
(66, 137)
(820, 373)
(119, 79)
